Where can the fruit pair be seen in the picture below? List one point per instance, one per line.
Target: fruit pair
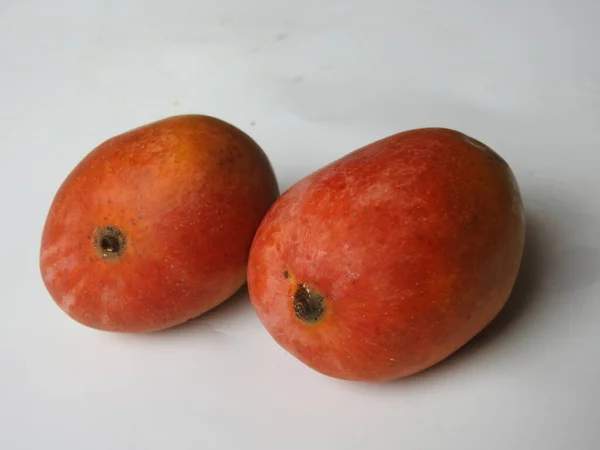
(374, 267)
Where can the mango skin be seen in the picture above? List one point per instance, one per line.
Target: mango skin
(414, 242)
(187, 193)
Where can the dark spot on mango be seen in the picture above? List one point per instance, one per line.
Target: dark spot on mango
(308, 304)
(109, 243)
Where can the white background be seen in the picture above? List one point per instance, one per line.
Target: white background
(310, 81)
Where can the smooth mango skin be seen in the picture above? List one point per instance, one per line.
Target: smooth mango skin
(187, 193)
(414, 242)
